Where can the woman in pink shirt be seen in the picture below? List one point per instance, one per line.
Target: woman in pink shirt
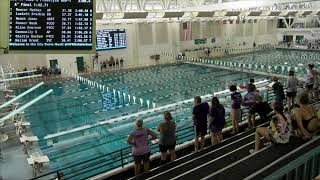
(140, 146)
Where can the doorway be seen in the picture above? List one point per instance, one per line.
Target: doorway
(53, 64)
(287, 38)
(80, 64)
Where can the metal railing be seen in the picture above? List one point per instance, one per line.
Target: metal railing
(121, 157)
(306, 166)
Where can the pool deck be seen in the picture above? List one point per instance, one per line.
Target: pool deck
(14, 166)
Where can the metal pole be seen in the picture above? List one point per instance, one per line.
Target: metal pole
(121, 154)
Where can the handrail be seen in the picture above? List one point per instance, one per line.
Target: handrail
(2, 72)
(83, 162)
(102, 143)
(302, 160)
(20, 95)
(116, 152)
(123, 156)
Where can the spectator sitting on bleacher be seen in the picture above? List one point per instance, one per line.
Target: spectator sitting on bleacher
(250, 100)
(280, 128)
(167, 138)
(216, 120)
(141, 150)
(199, 116)
(306, 117)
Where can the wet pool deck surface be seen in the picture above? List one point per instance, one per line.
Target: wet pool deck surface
(14, 166)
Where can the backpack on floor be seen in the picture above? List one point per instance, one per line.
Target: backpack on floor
(263, 109)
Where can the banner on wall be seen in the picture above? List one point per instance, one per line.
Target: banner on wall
(200, 41)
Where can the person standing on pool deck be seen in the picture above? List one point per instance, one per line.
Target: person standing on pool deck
(121, 62)
(167, 137)
(110, 64)
(117, 63)
(236, 101)
(200, 122)
(216, 120)
(141, 150)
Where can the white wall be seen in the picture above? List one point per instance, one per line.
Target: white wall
(30, 61)
(307, 35)
(147, 39)
(137, 52)
(235, 34)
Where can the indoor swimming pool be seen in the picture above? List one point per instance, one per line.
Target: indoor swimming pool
(278, 61)
(67, 121)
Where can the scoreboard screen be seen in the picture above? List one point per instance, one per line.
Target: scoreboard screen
(111, 39)
(51, 24)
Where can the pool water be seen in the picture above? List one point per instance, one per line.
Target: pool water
(276, 61)
(74, 104)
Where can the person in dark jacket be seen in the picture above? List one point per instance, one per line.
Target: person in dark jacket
(216, 120)
(278, 91)
(200, 122)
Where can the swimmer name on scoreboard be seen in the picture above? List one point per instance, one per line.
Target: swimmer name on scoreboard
(51, 24)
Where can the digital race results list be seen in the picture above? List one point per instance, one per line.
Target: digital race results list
(51, 24)
(111, 39)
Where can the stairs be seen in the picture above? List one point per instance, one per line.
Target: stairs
(231, 159)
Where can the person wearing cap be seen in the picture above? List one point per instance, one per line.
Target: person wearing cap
(278, 91)
(141, 150)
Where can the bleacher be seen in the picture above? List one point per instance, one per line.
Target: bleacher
(231, 159)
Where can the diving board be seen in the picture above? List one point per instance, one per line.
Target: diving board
(262, 84)
(21, 72)
(22, 108)
(20, 95)
(19, 78)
